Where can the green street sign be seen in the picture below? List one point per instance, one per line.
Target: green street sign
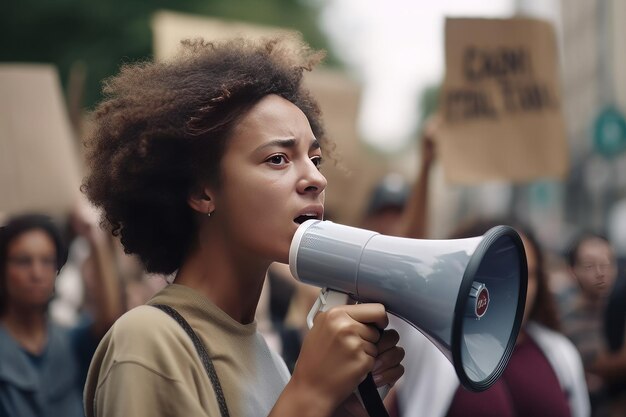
(609, 132)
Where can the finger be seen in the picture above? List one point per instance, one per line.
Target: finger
(341, 319)
(369, 333)
(388, 339)
(389, 376)
(388, 359)
(371, 350)
(370, 313)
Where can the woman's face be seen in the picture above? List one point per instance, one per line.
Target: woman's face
(270, 180)
(30, 269)
(531, 292)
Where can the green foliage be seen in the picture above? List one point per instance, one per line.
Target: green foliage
(103, 34)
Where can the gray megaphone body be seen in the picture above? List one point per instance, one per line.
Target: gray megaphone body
(466, 296)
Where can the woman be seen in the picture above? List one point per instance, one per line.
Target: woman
(544, 376)
(584, 306)
(39, 370)
(205, 166)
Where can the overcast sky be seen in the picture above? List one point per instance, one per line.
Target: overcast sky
(395, 48)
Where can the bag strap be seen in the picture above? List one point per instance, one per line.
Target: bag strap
(204, 356)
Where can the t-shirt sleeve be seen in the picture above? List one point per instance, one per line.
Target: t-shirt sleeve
(132, 389)
(84, 344)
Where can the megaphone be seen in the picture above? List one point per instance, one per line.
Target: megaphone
(466, 296)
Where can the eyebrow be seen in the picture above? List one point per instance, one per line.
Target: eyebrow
(287, 143)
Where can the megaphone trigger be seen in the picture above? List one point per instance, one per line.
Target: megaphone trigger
(325, 301)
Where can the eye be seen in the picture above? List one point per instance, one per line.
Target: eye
(317, 161)
(278, 159)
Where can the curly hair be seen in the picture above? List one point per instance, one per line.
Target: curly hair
(162, 128)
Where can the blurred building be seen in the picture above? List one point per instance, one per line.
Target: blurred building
(593, 68)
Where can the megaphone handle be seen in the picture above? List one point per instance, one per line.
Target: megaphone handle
(325, 301)
(367, 390)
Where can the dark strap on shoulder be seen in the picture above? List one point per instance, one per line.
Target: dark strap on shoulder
(204, 356)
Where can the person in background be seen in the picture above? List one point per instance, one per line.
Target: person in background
(395, 207)
(414, 221)
(205, 166)
(582, 306)
(43, 365)
(614, 331)
(386, 205)
(544, 376)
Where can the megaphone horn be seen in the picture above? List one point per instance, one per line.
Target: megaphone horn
(466, 296)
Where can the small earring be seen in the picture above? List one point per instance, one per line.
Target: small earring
(209, 214)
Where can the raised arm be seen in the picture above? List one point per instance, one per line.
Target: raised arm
(101, 280)
(415, 215)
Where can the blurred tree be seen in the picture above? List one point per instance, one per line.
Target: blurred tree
(101, 35)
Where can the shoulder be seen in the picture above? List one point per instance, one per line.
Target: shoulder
(566, 363)
(138, 317)
(559, 350)
(145, 337)
(545, 336)
(146, 328)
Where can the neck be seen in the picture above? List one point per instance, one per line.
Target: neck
(229, 277)
(27, 326)
(593, 301)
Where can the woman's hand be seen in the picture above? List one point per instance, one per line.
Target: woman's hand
(344, 345)
(387, 369)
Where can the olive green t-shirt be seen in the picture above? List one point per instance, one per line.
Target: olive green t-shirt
(147, 365)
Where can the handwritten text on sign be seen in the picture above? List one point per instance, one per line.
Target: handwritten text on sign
(501, 102)
(517, 89)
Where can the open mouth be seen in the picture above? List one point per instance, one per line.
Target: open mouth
(304, 217)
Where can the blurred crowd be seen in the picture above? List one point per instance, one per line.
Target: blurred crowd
(570, 358)
(63, 282)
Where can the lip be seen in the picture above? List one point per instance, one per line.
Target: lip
(315, 209)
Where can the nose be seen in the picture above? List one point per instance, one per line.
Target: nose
(312, 181)
(38, 271)
(41, 270)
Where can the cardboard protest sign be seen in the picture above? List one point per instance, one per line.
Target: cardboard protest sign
(170, 28)
(501, 102)
(38, 161)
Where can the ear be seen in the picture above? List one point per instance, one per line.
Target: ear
(201, 200)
